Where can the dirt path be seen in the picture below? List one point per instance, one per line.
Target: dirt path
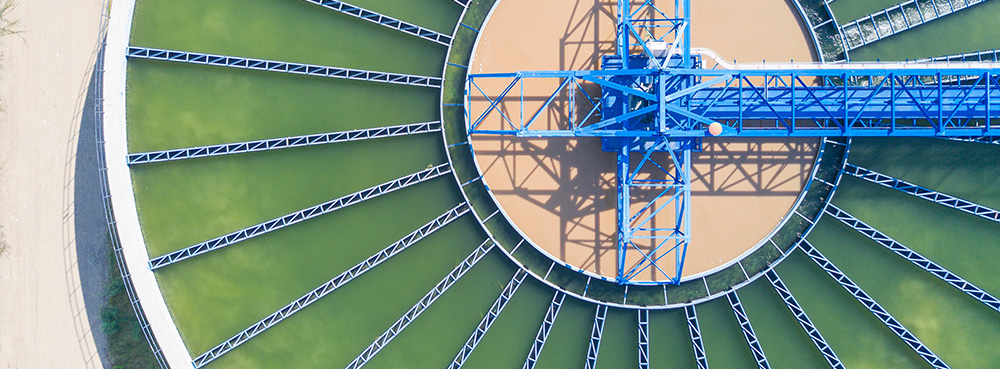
(44, 81)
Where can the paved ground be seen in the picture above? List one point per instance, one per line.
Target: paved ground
(51, 272)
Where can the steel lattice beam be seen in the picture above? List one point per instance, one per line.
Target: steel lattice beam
(331, 285)
(384, 20)
(487, 322)
(299, 216)
(695, 331)
(914, 257)
(596, 333)
(543, 331)
(422, 305)
(281, 67)
(643, 338)
(748, 333)
(904, 334)
(923, 193)
(282, 143)
(803, 319)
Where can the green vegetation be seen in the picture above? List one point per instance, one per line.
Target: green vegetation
(126, 343)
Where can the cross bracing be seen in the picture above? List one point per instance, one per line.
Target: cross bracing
(488, 319)
(543, 331)
(748, 332)
(803, 319)
(331, 285)
(859, 294)
(914, 257)
(422, 305)
(281, 67)
(923, 193)
(596, 332)
(385, 21)
(643, 316)
(282, 143)
(299, 216)
(695, 332)
(899, 18)
(887, 100)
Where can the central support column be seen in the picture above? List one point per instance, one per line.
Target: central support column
(624, 201)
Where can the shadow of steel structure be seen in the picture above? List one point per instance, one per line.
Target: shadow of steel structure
(660, 95)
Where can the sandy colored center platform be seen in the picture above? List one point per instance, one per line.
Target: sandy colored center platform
(561, 193)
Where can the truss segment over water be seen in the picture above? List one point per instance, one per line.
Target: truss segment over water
(299, 216)
(385, 20)
(281, 67)
(282, 143)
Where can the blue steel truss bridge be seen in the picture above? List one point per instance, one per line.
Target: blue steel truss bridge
(657, 97)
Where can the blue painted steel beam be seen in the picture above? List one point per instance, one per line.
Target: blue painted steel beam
(386, 21)
(299, 216)
(487, 322)
(894, 325)
(803, 319)
(281, 67)
(543, 331)
(914, 257)
(422, 305)
(883, 102)
(643, 338)
(923, 193)
(282, 143)
(330, 286)
(748, 332)
(594, 347)
(695, 331)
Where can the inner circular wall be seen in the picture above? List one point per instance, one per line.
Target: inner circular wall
(561, 193)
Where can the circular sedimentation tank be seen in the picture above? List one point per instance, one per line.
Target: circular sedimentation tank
(412, 238)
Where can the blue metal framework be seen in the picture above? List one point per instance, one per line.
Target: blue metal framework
(904, 334)
(281, 67)
(282, 143)
(331, 285)
(806, 323)
(658, 97)
(596, 333)
(923, 193)
(914, 257)
(487, 322)
(299, 216)
(422, 305)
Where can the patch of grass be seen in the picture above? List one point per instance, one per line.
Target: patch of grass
(126, 343)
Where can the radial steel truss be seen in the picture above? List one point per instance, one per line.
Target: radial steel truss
(594, 347)
(803, 319)
(299, 216)
(331, 285)
(658, 97)
(487, 322)
(282, 143)
(695, 331)
(281, 67)
(385, 21)
(543, 331)
(748, 333)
